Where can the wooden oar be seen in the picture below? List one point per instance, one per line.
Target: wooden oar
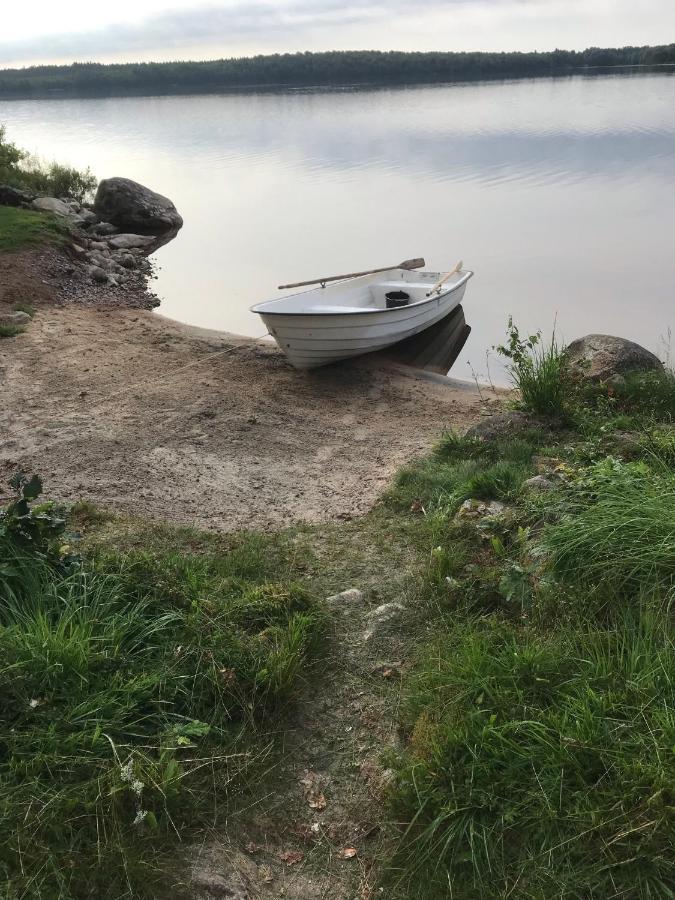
(406, 264)
(439, 284)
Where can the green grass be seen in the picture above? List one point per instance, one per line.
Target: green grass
(538, 372)
(620, 537)
(137, 688)
(460, 469)
(540, 766)
(22, 227)
(539, 721)
(7, 331)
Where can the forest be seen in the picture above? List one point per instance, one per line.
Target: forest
(335, 68)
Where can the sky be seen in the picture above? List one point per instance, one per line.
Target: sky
(44, 31)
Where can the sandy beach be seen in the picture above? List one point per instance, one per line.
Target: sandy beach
(144, 415)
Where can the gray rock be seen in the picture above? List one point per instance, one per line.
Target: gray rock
(127, 260)
(539, 483)
(98, 274)
(17, 318)
(11, 196)
(479, 509)
(103, 229)
(88, 216)
(216, 873)
(379, 620)
(127, 241)
(349, 596)
(99, 245)
(78, 252)
(136, 208)
(52, 205)
(599, 357)
(500, 425)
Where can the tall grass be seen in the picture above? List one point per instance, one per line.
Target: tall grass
(621, 536)
(540, 766)
(133, 690)
(538, 371)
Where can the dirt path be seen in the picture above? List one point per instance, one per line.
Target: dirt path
(144, 415)
(317, 828)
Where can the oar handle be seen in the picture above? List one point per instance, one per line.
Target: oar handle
(439, 284)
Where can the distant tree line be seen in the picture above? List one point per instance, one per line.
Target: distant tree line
(308, 69)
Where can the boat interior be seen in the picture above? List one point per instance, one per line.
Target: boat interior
(405, 287)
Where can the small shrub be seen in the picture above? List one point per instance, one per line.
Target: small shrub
(7, 331)
(19, 169)
(538, 372)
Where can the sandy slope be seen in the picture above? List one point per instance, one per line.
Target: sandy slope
(145, 415)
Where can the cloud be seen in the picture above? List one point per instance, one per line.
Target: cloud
(237, 27)
(284, 22)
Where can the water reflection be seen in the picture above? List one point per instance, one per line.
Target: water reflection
(556, 191)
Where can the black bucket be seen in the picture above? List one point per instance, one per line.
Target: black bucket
(397, 298)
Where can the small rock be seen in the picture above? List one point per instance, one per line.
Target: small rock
(78, 252)
(52, 205)
(99, 245)
(88, 216)
(500, 425)
(380, 618)
(127, 241)
(217, 873)
(16, 318)
(479, 509)
(539, 483)
(103, 229)
(98, 274)
(349, 596)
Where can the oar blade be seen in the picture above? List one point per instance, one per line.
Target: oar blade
(412, 264)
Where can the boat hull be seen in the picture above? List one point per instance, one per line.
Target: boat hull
(310, 341)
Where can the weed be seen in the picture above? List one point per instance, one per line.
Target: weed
(538, 372)
(7, 331)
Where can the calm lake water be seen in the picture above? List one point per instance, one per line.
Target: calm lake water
(559, 193)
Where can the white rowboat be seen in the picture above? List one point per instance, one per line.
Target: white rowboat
(347, 318)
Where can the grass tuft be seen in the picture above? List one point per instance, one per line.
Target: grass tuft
(540, 767)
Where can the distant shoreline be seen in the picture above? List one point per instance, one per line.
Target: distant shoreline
(322, 71)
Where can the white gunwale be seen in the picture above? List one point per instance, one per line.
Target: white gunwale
(350, 317)
(265, 306)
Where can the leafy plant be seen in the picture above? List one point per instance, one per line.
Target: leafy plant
(29, 527)
(538, 371)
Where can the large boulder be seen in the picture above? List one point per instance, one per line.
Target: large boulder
(11, 196)
(135, 208)
(599, 357)
(52, 205)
